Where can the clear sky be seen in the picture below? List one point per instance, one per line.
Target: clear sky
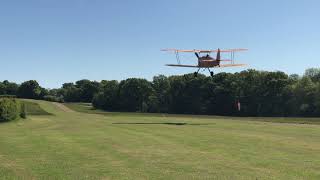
(57, 41)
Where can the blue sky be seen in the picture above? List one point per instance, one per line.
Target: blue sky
(57, 41)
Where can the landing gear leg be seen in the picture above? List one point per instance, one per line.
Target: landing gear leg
(211, 72)
(196, 73)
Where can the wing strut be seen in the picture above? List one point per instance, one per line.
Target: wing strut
(177, 57)
(232, 57)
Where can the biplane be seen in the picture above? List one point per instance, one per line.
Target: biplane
(205, 61)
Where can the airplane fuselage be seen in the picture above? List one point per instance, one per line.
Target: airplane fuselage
(207, 62)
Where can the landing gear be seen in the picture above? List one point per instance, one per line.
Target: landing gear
(195, 74)
(211, 72)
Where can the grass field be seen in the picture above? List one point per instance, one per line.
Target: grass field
(33, 108)
(97, 145)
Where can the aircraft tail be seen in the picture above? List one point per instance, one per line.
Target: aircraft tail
(218, 56)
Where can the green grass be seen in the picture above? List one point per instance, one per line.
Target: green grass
(125, 146)
(84, 108)
(87, 108)
(33, 108)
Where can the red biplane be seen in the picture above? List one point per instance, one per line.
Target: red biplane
(206, 61)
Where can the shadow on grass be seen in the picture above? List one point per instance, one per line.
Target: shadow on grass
(2, 122)
(10, 121)
(165, 123)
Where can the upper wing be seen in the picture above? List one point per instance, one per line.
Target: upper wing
(180, 65)
(231, 50)
(230, 65)
(206, 51)
(181, 50)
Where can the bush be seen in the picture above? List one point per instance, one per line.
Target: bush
(23, 113)
(9, 109)
(53, 98)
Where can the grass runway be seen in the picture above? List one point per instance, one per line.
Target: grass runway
(88, 144)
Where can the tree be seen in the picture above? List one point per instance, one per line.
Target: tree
(294, 77)
(153, 105)
(108, 98)
(8, 88)
(30, 89)
(304, 96)
(11, 88)
(317, 100)
(186, 94)
(260, 93)
(221, 94)
(177, 100)
(2, 89)
(70, 92)
(313, 74)
(133, 92)
(161, 86)
(87, 89)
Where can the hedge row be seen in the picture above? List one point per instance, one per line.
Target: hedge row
(7, 96)
(11, 109)
(53, 98)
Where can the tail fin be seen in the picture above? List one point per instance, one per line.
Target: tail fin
(218, 56)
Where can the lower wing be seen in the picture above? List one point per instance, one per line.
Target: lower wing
(194, 66)
(230, 65)
(180, 65)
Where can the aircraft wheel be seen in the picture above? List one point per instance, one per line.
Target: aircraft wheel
(211, 73)
(195, 74)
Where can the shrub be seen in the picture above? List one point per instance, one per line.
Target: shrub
(53, 98)
(23, 113)
(9, 109)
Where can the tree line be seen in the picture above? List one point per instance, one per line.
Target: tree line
(260, 93)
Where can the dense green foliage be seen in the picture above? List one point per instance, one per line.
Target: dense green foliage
(53, 98)
(260, 93)
(11, 109)
(8, 88)
(81, 91)
(31, 90)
